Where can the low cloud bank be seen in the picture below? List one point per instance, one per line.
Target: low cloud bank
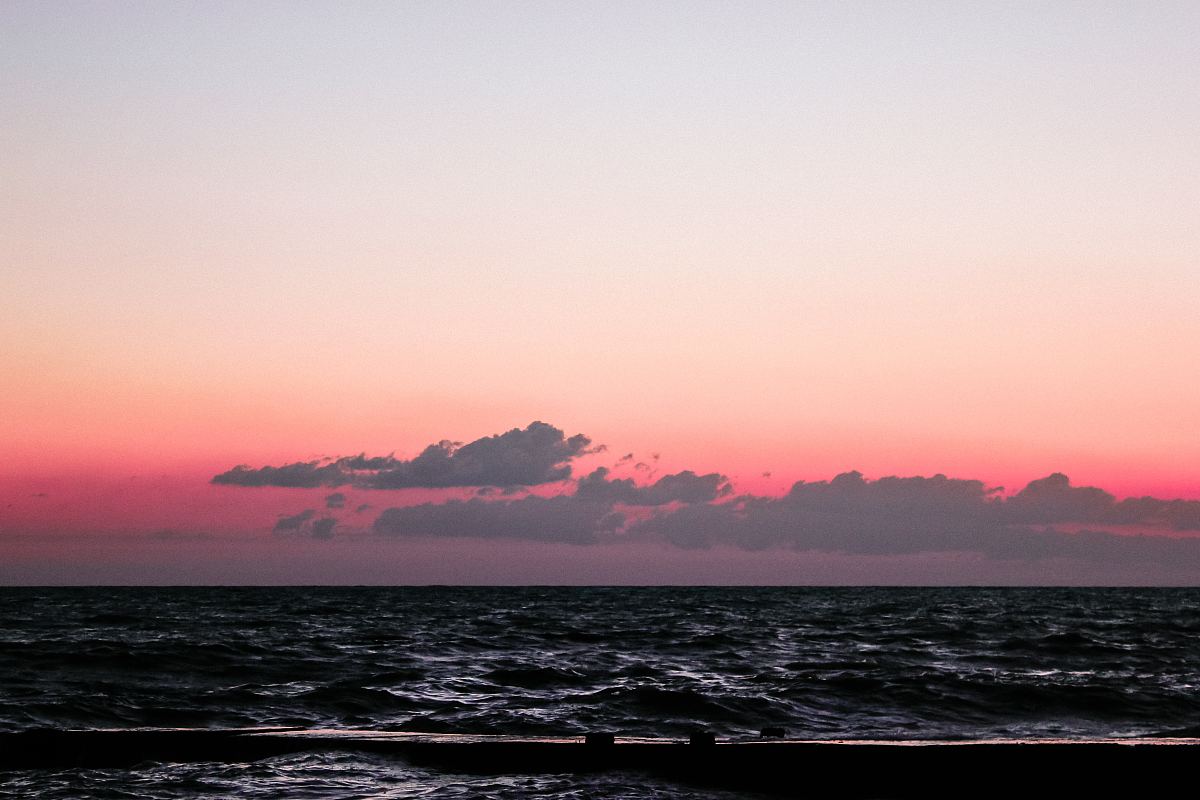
(564, 519)
(683, 487)
(305, 523)
(892, 516)
(848, 514)
(294, 522)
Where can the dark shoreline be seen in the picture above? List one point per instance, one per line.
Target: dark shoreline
(846, 768)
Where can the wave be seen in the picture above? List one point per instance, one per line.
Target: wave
(822, 663)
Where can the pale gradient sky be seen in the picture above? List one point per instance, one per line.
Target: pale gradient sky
(797, 238)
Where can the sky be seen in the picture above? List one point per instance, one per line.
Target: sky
(768, 242)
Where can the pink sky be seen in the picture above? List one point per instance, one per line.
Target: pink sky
(790, 239)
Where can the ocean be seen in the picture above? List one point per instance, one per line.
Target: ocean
(821, 663)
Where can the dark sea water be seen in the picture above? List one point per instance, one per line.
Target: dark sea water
(822, 663)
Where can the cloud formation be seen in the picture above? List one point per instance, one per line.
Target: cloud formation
(900, 516)
(305, 523)
(1054, 499)
(293, 523)
(565, 519)
(682, 487)
(535, 455)
(849, 514)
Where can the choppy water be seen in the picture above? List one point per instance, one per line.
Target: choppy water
(823, 663)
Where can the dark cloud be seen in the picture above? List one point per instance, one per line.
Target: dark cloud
(1053, 499)
(301, 475)
(1183, 515)
(294, 522)
(682, 487)
(306, 524)
(848, 514)
(896, 516)
(537, 454)
(1094, 546)
(371, 463)
(566, 519)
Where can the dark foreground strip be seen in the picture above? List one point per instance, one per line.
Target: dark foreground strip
(1009, 769)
